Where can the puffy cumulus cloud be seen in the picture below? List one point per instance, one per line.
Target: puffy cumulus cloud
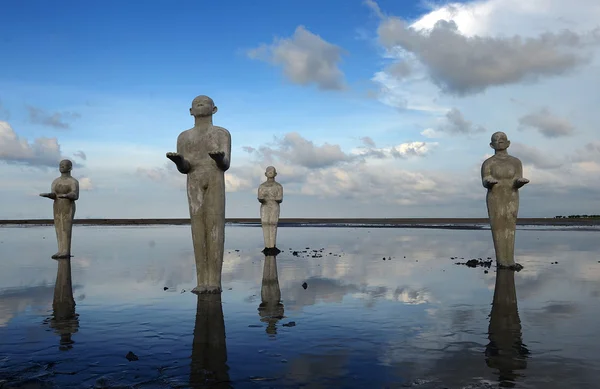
(295, 149)
(42, 152)
(389, 184)
(59, 120)
(85, 183)
(465, 65)
(306, 59)
(455, 123)
(547, 123)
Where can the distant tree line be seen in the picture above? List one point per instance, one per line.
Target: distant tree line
(578, 217)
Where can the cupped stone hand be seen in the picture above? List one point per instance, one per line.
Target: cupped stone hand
(172, 155)
(217, 154)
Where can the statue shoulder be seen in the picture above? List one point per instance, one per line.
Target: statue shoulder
(488, 161)
(221, 131)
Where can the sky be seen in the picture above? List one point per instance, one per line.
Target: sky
(366, 108)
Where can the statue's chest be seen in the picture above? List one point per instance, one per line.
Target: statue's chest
(62, 187)
(268, 191)
(199, 145)
(503, 169)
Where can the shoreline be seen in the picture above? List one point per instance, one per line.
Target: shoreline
(329, 222)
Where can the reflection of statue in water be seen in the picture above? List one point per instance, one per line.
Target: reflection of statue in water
(209, 352)
(506, 351)
(270, 195)
(203, 153)
(270, 309)
(502, 175)
(64, 321)
(64, 192)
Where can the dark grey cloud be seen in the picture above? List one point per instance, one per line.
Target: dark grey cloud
(548, 124)
(533, 156)
(80, 154)
(464, 65)
(306, 59)
(59, 120)
(455, 123)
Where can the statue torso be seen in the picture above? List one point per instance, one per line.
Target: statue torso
(504, 168)
(270, 191)
(194, 145)
(63, 185)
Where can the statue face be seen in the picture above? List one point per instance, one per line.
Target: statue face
(270, 172)
(499, 141)
(65, 166)
(203, 106)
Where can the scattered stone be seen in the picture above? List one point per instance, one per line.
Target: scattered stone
(165, 288)
(304, 285)
(295, 254)
(485, 272)
(516, 267)
(254, 326)
(476, 262)
(131, 357)
(290, 324)
(182, 291)
(237, 250)
(271, 251)
(384, 258)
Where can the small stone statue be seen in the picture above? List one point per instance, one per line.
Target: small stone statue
(204, 153)
(64, 192)
(506, 351)
(209, 348)
(502, 175)
(64, 321)
(270, 195)
(270, 309)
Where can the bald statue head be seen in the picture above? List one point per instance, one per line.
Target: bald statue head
(65, 166)
(203, 106)
(270, 172)
(499, 141)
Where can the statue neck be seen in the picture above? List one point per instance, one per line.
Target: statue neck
(203, 122)
(501, 153)
(270, 179)
(64, 175)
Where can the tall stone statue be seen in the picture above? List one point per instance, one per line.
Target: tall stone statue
(506, 351)
(270, 309)
(209, 350)
(270, 195)
(64, 192)
(203, 153)
(502, 176)
(64, 321)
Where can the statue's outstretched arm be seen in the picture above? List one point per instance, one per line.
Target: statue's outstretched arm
(486, 176)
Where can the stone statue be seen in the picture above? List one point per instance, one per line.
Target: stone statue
(64, 321)
(506, 351)
(203, 153)
(270, 195)
(502, 175)
(270, 309)
(209, 350)
(64, 192)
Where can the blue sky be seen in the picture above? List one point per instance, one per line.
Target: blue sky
(366, 108)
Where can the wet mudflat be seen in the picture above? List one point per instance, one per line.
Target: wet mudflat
(359, 308)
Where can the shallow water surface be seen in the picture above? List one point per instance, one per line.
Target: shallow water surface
(415, 319)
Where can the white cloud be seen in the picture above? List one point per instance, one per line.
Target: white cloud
(42, 152)
(85, 183)
(306, 59)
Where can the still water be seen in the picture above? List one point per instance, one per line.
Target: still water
(415, 319)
